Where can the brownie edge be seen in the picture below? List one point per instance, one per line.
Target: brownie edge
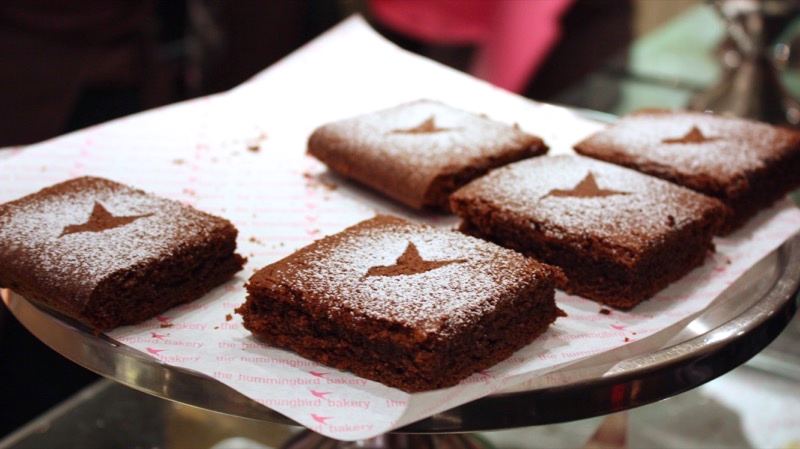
(411, 306)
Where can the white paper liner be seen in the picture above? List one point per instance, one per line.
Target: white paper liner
(241, 155)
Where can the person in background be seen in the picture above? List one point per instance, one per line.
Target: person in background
(531, 47)
(511, 39)
(67, 64)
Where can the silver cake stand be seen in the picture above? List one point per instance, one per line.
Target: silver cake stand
(736, 326)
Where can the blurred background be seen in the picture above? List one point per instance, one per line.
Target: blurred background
(68, 65)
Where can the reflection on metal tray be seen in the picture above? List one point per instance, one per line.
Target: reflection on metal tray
(738, 325)
(783, 355)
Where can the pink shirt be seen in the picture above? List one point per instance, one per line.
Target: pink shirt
(513, 36)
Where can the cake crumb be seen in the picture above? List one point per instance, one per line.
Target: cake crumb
(328, 184)
(228, 317)
(604, 311)
(254, 145)
(317, 181)
(166, 325)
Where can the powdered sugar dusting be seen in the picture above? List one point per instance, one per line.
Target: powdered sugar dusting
(31, 228)
(458, 135)
(432, 301)
(455, 139)
(649, 209)
(731, 146)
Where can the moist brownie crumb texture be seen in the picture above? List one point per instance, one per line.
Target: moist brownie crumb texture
(407, 305)
(420, 152)
(108, 254)
(619, 236)
(747, 165)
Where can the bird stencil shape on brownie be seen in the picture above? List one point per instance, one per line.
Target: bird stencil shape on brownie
(426, 127)
(695, 135)
(587, 188)
(410, 262)
(101, 220)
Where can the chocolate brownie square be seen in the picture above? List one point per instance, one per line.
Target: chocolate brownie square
(107, 254)
(418, 153)
(620, 236)
(745, 164)
(408, 305)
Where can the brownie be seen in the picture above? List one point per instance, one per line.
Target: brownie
(420, 152)
(620, 236)
(745, 164)
(107, 254)
(411, 306)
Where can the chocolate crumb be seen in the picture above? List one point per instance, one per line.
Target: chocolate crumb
(254, 145)
(604, 311)
(316, 181)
